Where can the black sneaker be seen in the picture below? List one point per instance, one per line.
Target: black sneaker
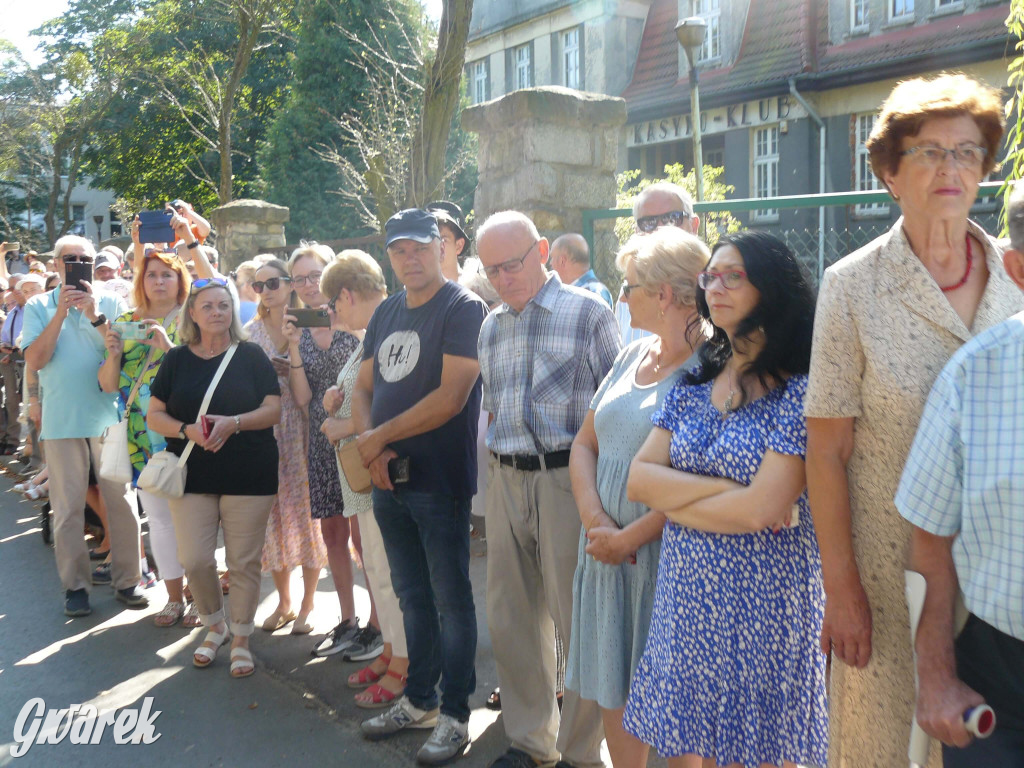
(76, 603)
(368, 644)
(133, 597)
(339, 638)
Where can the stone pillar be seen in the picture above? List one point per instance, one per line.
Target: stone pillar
(549, 152)
(246, 228)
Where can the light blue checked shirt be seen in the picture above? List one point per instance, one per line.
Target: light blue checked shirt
(965, 473)
(541, 367)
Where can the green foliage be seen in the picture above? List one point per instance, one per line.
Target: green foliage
(716, 224)
(1014, 163)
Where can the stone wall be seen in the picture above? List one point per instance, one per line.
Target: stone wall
(548, 152)
(246, 228)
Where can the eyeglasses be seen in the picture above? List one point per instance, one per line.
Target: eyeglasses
(964, 155)
(207, 282)
(312, 277)
(730, 280)
(628, 288)
(648, 224)
(273, 283)
(509, 267)
(74, 258)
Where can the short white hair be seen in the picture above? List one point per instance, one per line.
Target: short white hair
(685, 201)
(64, 242)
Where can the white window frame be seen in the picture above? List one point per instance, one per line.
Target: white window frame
(765, 176)
(900, 10)
(571, 62)
(711, 12)
(863, 5)
(946, 5)
(863, 178)
(521, 60)
(479, 70)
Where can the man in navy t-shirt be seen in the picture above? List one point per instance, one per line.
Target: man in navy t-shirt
(416, 404)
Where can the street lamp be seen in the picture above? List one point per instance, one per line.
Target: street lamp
(690, 33)
(98, 218)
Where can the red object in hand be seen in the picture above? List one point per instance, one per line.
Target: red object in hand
(206, 424)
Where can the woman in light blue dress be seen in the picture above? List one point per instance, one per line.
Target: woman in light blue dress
(613, 589)
(732, 674)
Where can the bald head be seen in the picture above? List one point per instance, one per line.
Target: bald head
(513, 254)
(570, 257)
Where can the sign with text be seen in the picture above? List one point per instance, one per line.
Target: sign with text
(735, 117)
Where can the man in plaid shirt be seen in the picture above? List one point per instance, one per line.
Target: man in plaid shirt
(542, 355)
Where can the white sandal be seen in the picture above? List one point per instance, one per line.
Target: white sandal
(241, 659)
(208, 653)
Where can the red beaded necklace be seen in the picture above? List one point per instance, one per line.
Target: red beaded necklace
(967, 272)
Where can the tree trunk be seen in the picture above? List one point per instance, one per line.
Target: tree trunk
(440, 100)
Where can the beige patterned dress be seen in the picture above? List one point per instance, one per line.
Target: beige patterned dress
(883, 332)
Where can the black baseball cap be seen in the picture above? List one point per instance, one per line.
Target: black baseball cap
(449, 213)
(412, 224)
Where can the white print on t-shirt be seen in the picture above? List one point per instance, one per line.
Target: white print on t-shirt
(398, 355)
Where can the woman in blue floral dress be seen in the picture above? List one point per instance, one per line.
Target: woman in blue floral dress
(160, 286)
(732, 674)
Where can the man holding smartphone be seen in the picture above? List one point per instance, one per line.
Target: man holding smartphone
(62, 339)
(415, 406)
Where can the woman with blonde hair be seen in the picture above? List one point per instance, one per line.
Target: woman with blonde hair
(232, 462)
(315, 357)
(613, 589)
(890, 315)
(293, 538)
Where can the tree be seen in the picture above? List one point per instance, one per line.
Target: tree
(1014, 163)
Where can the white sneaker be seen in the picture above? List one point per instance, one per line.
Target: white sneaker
(447, 743)
(402, 715)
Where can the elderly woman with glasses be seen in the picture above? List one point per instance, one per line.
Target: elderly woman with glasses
(232, 469)
(889, 317)
(315, 357)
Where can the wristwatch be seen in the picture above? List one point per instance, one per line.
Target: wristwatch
(181, 431)
(99, 321)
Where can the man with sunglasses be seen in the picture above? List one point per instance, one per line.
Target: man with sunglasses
(63, 339)
(543, 353)
(663, 204)
(415, 406)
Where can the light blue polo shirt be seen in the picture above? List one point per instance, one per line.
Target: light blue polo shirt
(73, 403)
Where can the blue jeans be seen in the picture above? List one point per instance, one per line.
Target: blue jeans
(426, 536)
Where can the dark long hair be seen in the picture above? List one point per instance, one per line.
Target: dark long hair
(784, 314)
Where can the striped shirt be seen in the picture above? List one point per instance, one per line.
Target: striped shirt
(541, 367)
(965, 473)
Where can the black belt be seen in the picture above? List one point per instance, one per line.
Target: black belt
(531, 462)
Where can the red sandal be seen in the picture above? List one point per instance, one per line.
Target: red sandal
(380, 697)
(366, 676)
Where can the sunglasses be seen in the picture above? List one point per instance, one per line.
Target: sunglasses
(628, 288)
(648, 224)
(272, 283)
(76, 259)
(206, 282)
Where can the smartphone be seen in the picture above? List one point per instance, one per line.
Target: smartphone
(206, 424)
(155, 227)
(13, 248)
(310, 318)
(76, 272)
(132, 331)
(398, 470)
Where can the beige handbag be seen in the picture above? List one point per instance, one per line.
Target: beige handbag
(356, 475)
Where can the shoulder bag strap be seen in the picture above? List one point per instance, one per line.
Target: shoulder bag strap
(209, 395)
(145, 365)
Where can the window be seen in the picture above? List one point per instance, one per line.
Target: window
(766, 169)
(858, 14)
(571, 58)
(863, 179)
(523, 74)
(78, 219)
(478, 81)
(939, 4)
(901, 9)
(115, 224)
(712, 14)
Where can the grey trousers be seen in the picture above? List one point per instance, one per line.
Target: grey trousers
(12, 398)
(68, 460)
(533, 532)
